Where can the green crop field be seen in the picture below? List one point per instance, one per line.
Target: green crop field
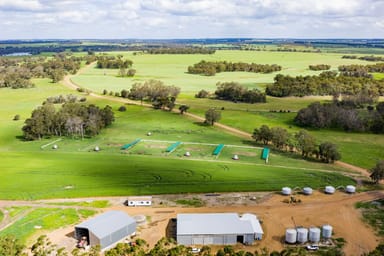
(172, 69)
(75, 169)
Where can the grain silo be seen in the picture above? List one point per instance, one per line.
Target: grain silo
(286, 191)
(290, 235)
(327, 231)
(329, 190)
(302, 235)
(307, 191)
(314, 234)
(350, 189)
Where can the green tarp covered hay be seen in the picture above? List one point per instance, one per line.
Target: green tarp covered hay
(218, 149)
(129, 145)
(171, 148)
(265, 154)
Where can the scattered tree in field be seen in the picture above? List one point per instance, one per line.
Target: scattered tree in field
(279, 137)
(262, 134)
(131, 72)
(112, 62)
(306, 143)
(16, 118)
(235, 92)
(202, 94)
(122, 108)
(212, 115)
(329, 152)
(11, 246)
(183, 108)
(377, 172)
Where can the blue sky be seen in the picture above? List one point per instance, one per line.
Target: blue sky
(115, 19)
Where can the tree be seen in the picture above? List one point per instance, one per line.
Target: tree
(42, 247)
(279, 137)
(131, 72)
(306, 143)
(11, 246)
(263, 134)
(212, 115)
(183, 108)
(377, 172)
(328, 152)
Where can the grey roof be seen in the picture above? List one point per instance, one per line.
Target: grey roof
(214, 224)
(107, 223)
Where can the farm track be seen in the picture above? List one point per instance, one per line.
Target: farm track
(71, 85)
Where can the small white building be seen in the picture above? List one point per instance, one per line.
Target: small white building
(139, 201)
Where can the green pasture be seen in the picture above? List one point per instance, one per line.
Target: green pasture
(66, 175)
(43, 219)
(92, 203)
(172, 69)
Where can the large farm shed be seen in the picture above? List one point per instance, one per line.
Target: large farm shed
(217, 229)
(106, 229)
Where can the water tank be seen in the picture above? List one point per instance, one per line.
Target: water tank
(350, 189)
(314, 235)
(235, 157)
(97, 148)
(327, 231)
(307, 191)
(329, 190)
(54, 146)
(302, 235)
(187, 153)
(290, 236)
(286, 191)
(149, 133)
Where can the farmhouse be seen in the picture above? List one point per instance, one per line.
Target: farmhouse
(106, 229)
(217, 229)
(139, 201)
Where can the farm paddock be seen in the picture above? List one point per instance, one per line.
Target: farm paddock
(337, 210)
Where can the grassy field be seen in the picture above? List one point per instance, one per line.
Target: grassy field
(171, 69)
(43, 220)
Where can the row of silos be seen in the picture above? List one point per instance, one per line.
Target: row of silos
(308, 191)
(303, 235)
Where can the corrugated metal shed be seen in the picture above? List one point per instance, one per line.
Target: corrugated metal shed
(107, 228)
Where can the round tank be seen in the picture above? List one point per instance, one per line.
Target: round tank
(302, 235)
(290, 236)
(55, 146)
(97, 148)
(149, 134)
(307, 191)
(327, 231)
(235, 157)
(286, 191)
(314, 235)
(329, 190)
(187, 153)
(350, 189)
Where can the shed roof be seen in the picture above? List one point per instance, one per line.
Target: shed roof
(107, 223)
(215, 223)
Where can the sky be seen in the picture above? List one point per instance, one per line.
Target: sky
(166, 19)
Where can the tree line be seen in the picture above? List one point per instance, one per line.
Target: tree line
(210, 68)
(336, 115)
(72, 119)
(326, 83)
(18, 72)
(113, 62)
(319, 67)
(155, 91)
(361, 70)
(301, 141)
(367, 58)
(181, 50)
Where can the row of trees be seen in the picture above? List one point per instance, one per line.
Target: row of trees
(326, 83)
(235, 92)
(181, 50)
(301, 141)
(155, 91)
(367, 58)
(210, 68)
(355, 68)
(72, 119)
(10, 246)
(319, 67)
(333, 115)
(113, 62)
